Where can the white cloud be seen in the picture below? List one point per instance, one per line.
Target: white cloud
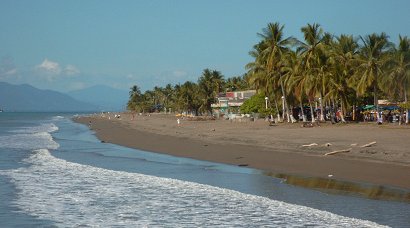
(71, 70)
(49, 67)
(50, 70)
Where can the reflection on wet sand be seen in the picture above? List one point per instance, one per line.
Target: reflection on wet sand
(333, 186)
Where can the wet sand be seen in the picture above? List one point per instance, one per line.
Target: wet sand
(278, 149)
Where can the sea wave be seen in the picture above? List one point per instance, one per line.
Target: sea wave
(45, 127)
(31, 138)
(56, 118)
(80, 195)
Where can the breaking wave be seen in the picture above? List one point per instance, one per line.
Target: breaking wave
(72, 194)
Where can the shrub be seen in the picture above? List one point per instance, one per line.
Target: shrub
(256, 104)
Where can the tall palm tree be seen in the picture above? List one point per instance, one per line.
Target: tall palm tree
(292, 78)
(168, 94)
(370, 63)
(399, 71)
(210, 84)
(342, 58)
(274, 47)
(134, 98)
(257, 69)
(158, 98)
(134, 90)
(189, 98)
(311, 49)
(236, 83)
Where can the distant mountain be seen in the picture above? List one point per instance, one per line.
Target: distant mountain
(26, 98)
(105, 97)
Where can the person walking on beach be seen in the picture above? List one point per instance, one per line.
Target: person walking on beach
(178, 121)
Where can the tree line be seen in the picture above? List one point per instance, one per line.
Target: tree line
(342, 72)
(188, 97)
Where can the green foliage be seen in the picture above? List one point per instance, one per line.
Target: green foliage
(210, 85)
(256, 104)
(135, 98)
(236, 84)
(405, 105)
(339, 69)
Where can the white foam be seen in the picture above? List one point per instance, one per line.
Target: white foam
(79, 195)
(31, 138)
(40, 140)
(46, 127)
(58, 117)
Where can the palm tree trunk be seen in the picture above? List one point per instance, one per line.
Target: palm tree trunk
(277, 110)
(311, 111)
(322, 117)
(332, 112)
(286, 108)
(376, 101)
(407, 111)
(303, 114)
(342, 111)
(292, 119)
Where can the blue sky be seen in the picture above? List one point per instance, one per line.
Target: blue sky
(68, 45)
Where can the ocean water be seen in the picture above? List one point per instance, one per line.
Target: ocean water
(56, 173)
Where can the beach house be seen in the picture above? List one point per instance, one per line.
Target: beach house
(230, 102)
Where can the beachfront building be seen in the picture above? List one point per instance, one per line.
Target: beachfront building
(230, 102)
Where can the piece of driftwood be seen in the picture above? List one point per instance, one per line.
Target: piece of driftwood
(338, 151)
(369, 144)
(309, 145)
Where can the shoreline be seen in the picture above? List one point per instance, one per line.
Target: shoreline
(274, 149)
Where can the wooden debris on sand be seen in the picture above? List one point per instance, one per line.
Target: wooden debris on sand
(369, 144)
(309, 145)
(338, 151)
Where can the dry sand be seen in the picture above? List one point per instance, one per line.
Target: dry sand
(276, 149)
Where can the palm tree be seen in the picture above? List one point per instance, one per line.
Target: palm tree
(292, 78)
(311, 51)
(134, 91)
(189, 98)
(134, 98)
(273, 49)
(210, 84)
(370, 62)
(399, 71)
(258, 77)
(296, 79)
(235, 84)
(257, 68)
(168, 92)
(342, 59)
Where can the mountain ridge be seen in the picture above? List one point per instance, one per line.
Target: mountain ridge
(105, 97)
(27, 98)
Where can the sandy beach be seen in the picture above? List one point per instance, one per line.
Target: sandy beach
(280, 149)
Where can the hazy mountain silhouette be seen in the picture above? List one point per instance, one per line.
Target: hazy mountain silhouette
(105, 97)
(27, 98)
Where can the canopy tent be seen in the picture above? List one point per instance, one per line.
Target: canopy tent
(390, 108)
(368, 107)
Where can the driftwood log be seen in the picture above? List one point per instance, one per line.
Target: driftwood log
(369, 144)
(338, 151)
(309, 145)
